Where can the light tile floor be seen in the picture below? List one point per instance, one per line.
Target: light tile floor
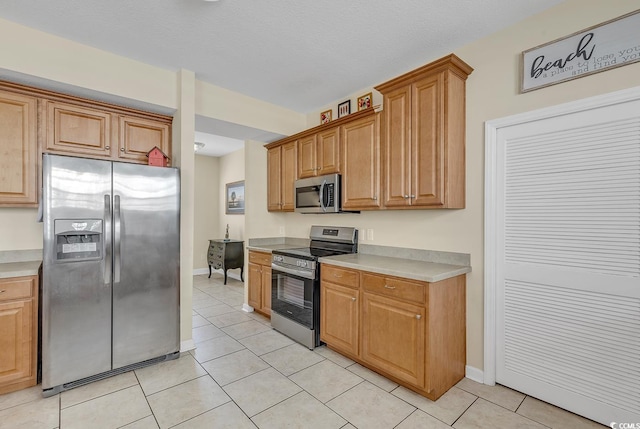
(243, 374)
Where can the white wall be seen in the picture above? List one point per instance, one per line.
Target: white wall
(206, 217)
(232, 169)
(492, 92)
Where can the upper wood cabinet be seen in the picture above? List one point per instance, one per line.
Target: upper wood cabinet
(424, 136)
(138, 136)
(360, 147)
(97, 133)
(282, 164)
(319, 153)
(18, 150)
(79, 130)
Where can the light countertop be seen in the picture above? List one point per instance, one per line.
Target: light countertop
(271, 247)
(399, 267)
(19, 269)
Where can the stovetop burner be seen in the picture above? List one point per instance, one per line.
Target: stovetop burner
(309, 253)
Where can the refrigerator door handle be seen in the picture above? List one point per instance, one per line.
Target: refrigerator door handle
(107, 239)
(117, 231)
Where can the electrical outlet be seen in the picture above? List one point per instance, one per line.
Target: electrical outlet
(370, 234)
(282, 230)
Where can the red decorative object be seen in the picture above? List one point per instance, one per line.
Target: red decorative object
(157, 157)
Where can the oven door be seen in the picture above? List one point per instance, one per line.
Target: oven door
(293, 296)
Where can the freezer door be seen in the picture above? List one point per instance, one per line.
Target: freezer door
(146, 252)
(76, 283)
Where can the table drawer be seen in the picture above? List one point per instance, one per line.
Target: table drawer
(16, 288)
(260, 258)
(340, 276)
(394, 287)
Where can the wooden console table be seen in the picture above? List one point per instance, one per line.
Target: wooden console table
(226, 255)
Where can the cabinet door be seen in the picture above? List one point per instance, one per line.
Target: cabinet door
(18, 159)
(16, 339)
(307, 162)
(274, 174)
(393, 337)
(339, 317)
(266, 290)
(329, 151)
(360, 142)
(288, 175)
(138, 136)
(79, 130)
(427, 137)
(397, 147)
(255, 286)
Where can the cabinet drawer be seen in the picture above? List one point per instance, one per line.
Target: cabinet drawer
(16, 288)
(260, 258)
(340, 276)
(394, 287)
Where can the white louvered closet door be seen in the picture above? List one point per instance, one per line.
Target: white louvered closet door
(568, 271)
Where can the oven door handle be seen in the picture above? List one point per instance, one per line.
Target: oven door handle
(292, 271)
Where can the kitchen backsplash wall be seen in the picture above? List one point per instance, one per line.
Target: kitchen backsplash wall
(19, 229)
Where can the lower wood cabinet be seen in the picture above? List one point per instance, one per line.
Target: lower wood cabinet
(410, 331)
(18, 333)
(393, 334)
(340, 323)
(260, 282)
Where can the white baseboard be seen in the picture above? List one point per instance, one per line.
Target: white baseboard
(201, 271)
(247, 308)
(474, 374)
(187, 345)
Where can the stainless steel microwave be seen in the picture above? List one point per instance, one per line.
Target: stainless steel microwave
(318, 194)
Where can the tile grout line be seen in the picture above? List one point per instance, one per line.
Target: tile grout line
(146, 398)
(465, 410)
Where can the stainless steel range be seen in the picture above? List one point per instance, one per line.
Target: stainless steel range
(295, 292)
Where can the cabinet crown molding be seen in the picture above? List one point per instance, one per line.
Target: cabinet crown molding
(323, 127)
(450, 62)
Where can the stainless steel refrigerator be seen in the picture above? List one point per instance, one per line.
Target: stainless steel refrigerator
(110, 290)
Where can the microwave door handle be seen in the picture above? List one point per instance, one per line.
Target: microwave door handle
(322, 206)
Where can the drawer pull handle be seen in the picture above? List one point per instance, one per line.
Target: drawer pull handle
(418, 316)
(353, 298)
(337, 275)
(389, 287)
(3, 291)
(107, 147)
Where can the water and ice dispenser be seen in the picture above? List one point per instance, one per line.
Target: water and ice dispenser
(78, 239)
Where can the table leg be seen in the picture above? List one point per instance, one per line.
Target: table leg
(209, 271)
(225, 276)
(241, 272)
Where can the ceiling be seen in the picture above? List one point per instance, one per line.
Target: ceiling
(298, 54)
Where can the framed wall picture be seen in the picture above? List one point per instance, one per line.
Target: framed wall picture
(344, 108)
(364, 102)
(234, 198)
(325, 117)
